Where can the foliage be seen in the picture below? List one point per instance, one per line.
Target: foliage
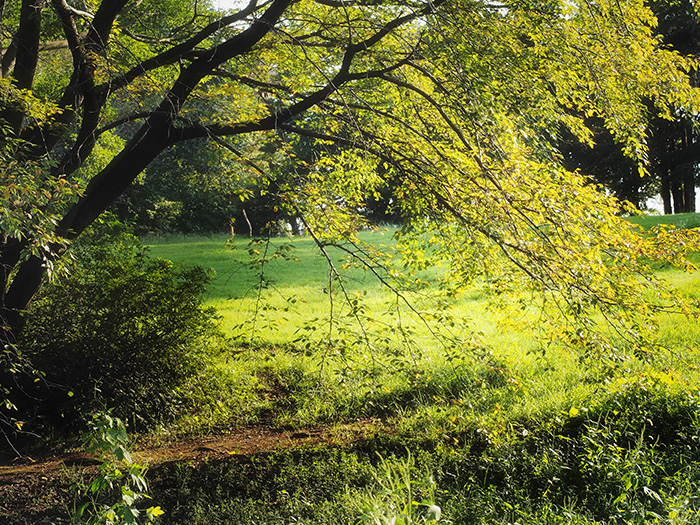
(484, 198)
(15, 372)
(33, 201)
(628, 457)
(119, 477)
(120, 330)
(672, 166)
(192, 187)
(279, 487)
(289, 320)
(401, 496)
(451, 103)
(622, 464)
(512, 435)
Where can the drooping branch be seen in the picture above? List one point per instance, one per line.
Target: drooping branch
(408, 166)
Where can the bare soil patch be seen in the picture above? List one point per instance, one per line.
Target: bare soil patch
(37, 490)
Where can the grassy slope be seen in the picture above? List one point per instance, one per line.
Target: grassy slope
(509, 434)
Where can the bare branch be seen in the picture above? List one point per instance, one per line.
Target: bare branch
(78, 12)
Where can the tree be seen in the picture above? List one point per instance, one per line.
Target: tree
(671, 136)
(675, 156)
(606, 164)
(191, 187)
(454, 100)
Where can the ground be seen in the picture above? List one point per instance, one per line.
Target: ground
(37, 490)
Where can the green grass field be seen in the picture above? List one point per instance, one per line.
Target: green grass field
(680, 220)
(480, 421)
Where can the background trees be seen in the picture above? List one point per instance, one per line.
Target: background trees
(671, 137)
(192, 187)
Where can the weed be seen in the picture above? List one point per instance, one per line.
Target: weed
(399, 495)
(114, 494)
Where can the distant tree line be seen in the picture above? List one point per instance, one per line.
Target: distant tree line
(203, 187)
(673, 140)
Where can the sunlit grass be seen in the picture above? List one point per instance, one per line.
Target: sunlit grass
(680, 220)
(513, 430)
(387, 361)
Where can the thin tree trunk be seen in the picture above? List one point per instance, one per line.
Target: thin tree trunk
(678, 194)
(689, 190)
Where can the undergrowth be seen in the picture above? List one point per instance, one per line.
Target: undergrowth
(632, 456)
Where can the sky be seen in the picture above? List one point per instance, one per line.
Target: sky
(227, 4)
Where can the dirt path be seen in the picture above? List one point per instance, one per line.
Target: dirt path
(32, 490)
(244, 441)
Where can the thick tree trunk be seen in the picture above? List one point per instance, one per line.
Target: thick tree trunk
(25, 284)
(23, 53)
(100, 193)
(10, 253)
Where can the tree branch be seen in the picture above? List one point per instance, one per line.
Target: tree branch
(174, 54)
(154, 134)
(24, 54)
(80, 92)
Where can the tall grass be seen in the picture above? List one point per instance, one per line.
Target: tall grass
(508, 431)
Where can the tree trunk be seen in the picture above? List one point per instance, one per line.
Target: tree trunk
(103, 189)
(689, 190)
(688, 170)
(666, 196)
(678, 195)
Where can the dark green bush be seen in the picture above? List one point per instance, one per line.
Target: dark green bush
(119, 330)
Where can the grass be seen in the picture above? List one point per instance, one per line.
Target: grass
(488, 427)
(336, 373)
(680, 220)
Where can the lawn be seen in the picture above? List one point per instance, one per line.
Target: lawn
(483, 420)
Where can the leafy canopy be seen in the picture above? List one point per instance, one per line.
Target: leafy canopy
(454, 103)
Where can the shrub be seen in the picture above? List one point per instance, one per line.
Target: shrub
(120, 330)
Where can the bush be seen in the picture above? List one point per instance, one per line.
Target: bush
(119, 330)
